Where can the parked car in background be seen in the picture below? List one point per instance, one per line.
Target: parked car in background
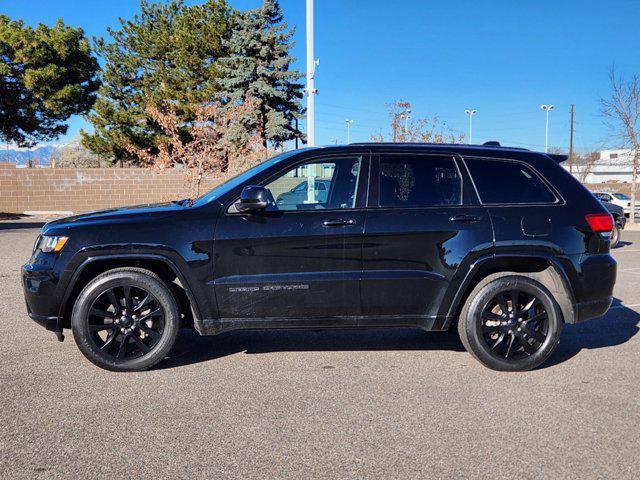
(501, 244)
(618, 198)
(298, 194)
(619, 221)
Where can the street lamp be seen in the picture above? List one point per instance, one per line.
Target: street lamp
(348, 122)
(407, 116)
(470, 113)
(547, 109)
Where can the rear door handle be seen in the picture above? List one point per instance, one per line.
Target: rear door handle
(338, 222)
(465, 218)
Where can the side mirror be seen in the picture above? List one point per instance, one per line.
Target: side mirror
(253, 198)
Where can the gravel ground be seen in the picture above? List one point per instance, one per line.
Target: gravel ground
(333, 404)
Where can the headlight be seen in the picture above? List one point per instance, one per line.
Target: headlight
(50, 244)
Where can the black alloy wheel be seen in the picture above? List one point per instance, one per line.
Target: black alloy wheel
(510, 322)
(126, 322)
(126, 319)
(514, 324)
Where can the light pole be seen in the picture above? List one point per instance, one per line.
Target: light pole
(470, 113)
(407, 116)
(348, 122)
(547, 109)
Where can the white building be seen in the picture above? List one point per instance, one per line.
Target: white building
(612, 166)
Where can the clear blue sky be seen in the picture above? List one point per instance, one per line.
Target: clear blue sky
(501, 57)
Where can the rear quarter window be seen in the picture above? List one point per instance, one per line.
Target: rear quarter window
(508, 182)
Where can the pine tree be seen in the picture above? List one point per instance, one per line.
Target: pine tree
(47, 74)
(258, 69)
(167, 53)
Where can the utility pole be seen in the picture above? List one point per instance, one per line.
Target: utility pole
(312, 63)
(547, 109)
(571, 143)
(311, 72)
(348, 122)
(296, 119)
(470, 113)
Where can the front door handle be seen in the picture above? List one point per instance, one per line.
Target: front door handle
(465, 218)
(338, 222)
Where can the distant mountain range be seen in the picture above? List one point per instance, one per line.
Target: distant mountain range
(38, 155)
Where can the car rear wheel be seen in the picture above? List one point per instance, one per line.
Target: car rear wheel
(615, 237)
(125, 320)
(512, 323)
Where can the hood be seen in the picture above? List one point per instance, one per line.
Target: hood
(120, 214)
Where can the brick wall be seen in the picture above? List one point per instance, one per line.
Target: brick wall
(84, 189)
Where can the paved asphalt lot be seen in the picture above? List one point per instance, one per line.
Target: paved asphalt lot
(346, 404)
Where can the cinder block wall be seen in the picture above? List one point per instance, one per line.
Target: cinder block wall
(84, 189)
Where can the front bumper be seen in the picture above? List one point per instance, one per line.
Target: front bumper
(40, 285)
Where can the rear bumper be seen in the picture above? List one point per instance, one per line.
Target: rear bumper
(593, 286)
(587, 310)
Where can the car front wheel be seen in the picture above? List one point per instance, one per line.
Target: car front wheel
(125, 320)
(511, 323)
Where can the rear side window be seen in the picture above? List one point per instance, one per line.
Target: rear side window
(418, 181)
(502, 182)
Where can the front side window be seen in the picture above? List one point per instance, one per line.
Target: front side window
(317, 185)
(505, 182)
(419, 181)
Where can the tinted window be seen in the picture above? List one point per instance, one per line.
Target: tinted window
(333, 185)
(418, 181)
(508, 182)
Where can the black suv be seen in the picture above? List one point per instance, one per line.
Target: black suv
(501, 243)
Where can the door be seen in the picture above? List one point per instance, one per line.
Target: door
(301, 257)
(423, 222)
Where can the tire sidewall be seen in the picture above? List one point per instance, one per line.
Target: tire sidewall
(476, 343)
(96, 287)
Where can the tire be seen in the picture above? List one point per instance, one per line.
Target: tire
(615, 237)
(496, 338)
(125, 319)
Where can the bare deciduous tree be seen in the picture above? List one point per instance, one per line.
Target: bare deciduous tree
(213, 144)
(622, 110)
(421, 130)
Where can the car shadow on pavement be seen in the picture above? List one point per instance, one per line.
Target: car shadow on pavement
(8, 225)
(192, 348)
(618, 326)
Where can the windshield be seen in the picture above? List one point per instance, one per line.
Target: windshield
(621, 196)
(241, 178)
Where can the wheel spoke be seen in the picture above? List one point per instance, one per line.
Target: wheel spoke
(537, 316)
(99, 312)
(128, 301)
(530, 349)
(143, 303)
(537, 336)
(110, 341)
(515, 302)
(122, 351)
(511, 339)
(492, 316)
(114, 301)
(150, 331)
(100, 328)
(503, 304)
(499, 340)
(154, 313)
(140, 343)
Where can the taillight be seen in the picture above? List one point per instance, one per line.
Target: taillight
(600, 222)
